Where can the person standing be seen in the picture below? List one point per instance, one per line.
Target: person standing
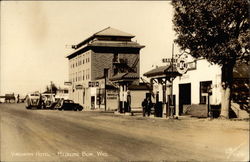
(149, 106)
(18, 97)
(129, 101)
(146, 105)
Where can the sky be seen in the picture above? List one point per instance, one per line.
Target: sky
(35, 36)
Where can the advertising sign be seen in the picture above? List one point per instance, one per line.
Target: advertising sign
(68, 83)
(93, 84)
(182, 65)
(79, 87)
(169, 60)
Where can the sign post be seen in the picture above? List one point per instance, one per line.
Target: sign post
(173, 62)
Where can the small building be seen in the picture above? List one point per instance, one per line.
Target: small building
(198, 91)
(99, 57)
(192, 88)
(131, 92)
(161, 81)
(62, 93)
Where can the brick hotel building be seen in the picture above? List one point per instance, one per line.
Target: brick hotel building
(104, 55)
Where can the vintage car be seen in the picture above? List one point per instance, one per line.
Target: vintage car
(48, 100)
(68, 105)
(33, 100)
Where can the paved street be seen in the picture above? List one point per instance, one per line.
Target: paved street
(51, 135)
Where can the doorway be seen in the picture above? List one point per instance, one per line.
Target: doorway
(92, 102)
(184, 96)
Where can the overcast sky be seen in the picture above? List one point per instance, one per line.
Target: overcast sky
(34, 36)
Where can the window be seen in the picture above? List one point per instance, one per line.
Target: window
(83, 75)
(204, 89)
(79, 76)
(87, 73)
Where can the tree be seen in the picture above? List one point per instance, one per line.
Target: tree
(52, 88)
(216, 30)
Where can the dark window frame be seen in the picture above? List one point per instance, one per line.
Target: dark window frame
(204, 88)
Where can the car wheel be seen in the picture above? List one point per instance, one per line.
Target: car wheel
(27, 105)
(80, 108)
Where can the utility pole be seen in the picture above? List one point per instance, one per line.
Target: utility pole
(99, 96)
(172, 78)
(105, 80)
(105, 99)
(169, 110)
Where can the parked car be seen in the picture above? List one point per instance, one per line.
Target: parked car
(68, 105)
(33, 100)
(49, 100)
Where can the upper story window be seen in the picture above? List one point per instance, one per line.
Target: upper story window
(79, 76)
(87, 74)
(83, 75)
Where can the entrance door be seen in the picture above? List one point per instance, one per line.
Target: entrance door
(184, 96)
(92, 102)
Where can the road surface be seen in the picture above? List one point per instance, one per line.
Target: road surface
(51, 135)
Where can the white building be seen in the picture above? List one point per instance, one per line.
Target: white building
(193, 86)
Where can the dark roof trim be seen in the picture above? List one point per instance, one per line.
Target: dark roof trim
(162, 70)
(125, 77)
(77, 52)
(140, 87)
(99, 34)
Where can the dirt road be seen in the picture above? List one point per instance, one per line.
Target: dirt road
(51, 135)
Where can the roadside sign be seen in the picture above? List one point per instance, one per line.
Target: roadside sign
(182, 65)
(169, 60)
(68, 83)
(93, 84)
(79, 87)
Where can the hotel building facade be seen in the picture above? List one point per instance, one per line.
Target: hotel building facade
(103, 55)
